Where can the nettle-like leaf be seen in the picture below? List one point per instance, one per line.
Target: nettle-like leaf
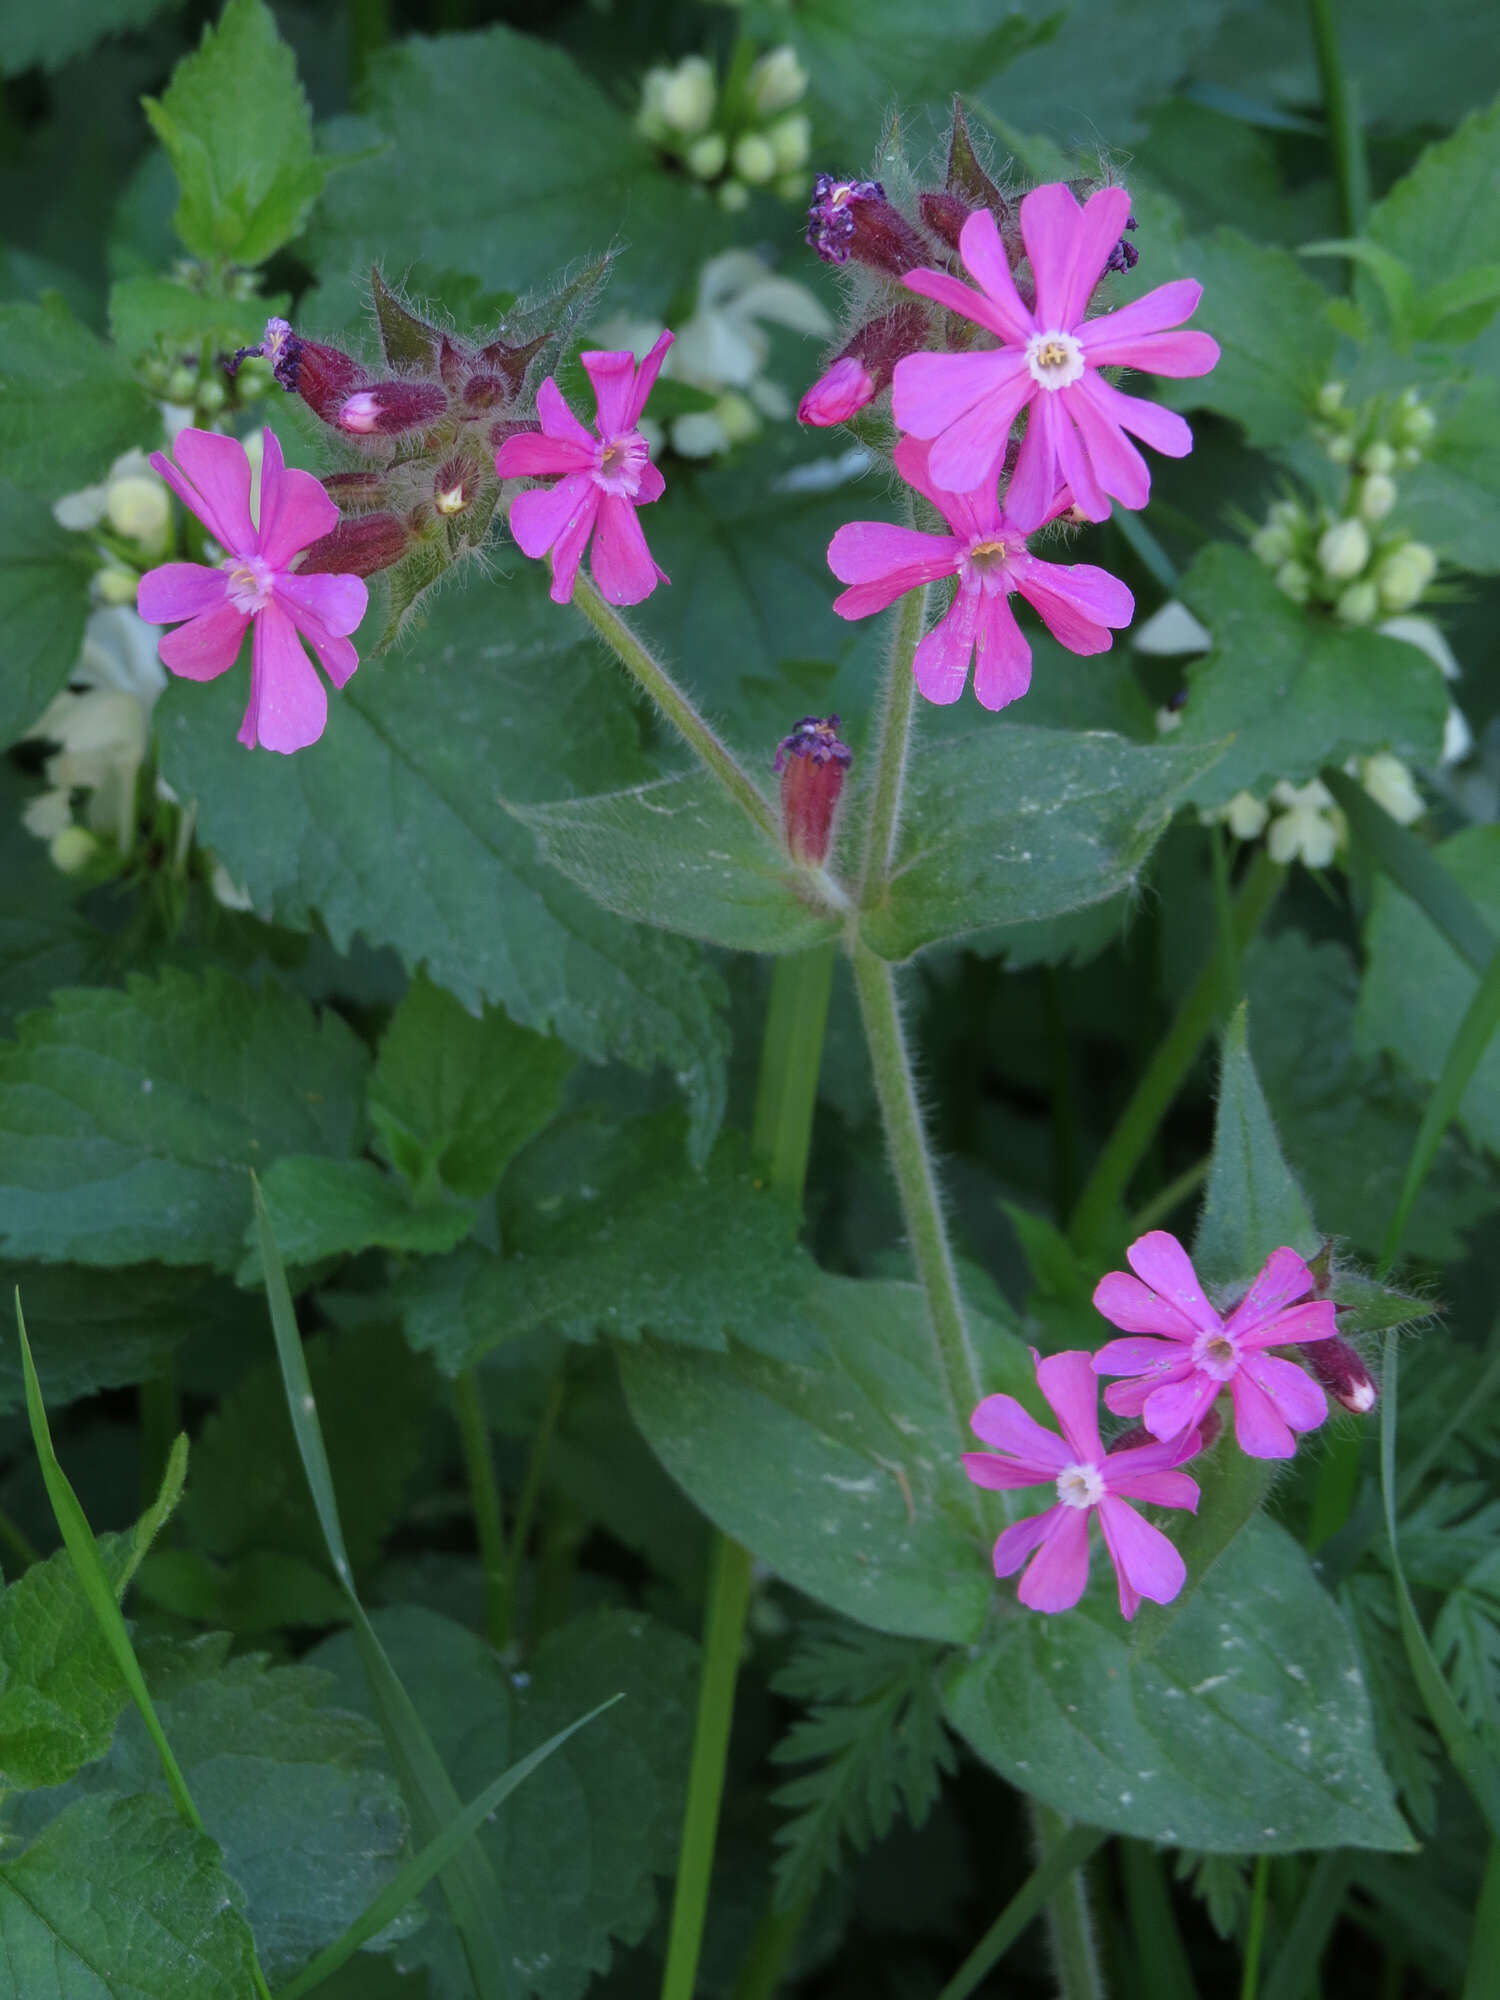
(68, 403)
(1251, 1205)
(48, 37)
(1015, 824)
(873, 1729)
(1416, 987)
(842, 1474)
(578, 1845)
(395, 828)
(121, 1896)
(1451, 500)
(158, 1099)
(44, 602)
(1440, 220)
(238, 130)
(1293, 688)
(309, 1826)
(1108, 65)
(148, 312)
(336, 1208)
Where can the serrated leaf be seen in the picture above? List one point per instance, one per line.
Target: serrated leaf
(681, 855)
(1451, 499)
(455, 1095)
(118, 1896)
(1252, 1205)
(145, 312)
(336, 1208)
(47, 37)
(1294, 689)
(44, 601)
(159, 1099)
(238, 131)
(578, 1845)
(615, 1265)
(1441, 218)
(1246, 1729)
(844, 1475)
(68, 403)
(1011, 824)
(392, 828)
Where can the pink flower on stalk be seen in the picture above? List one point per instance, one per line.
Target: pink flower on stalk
(605, 478)
(1088, 1482)
(255, 584)
(987, 553)
(1196, 1353)
(1049, 360)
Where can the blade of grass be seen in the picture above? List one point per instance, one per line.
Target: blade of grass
(1483, 1978)
(1410, 864)
(1296, 1964)
(406, 1886)
(88, 1566)
(1069, 1855)
(1156, 1942)
(1255, 1934)
(468, 1881)
(1470, 1759)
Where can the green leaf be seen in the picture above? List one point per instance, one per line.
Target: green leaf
(455, 1095)
(1451, 500)
(1011, 824)
(393, 829)
(48, 37)
(578, 1845)
(681, 855)
(1442, 218)
(158, 1099)
(146, 313)
(254, 1594)
(68, 404)
(336, 1208)
(1295, 690)
(614, 1264)
(572, 178)
(1414, 869)
(1252, 1205)
(45, 940)
(1389, 273)
(238, 131)
(118, 1897)
(1417, 989)
(44, 601)
(1246, 1729)
(844, 1475)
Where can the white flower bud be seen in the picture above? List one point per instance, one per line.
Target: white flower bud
(1340, 449)
(737, 417)
(733, 196)
(1392, 786)
(1405, 574)
(1377, 496)
(139, 510)
(1330, 399)
(699, 434)
(116, 585)
(1245, 816)
(777, 81)
(72, 849)
(1417, 423)
(1458, 737)
(1309, 829)
(755, 159)
(791, 141)
(706, 156)
(1285, 513)
(1295, 581)
(1378, 457)
(1343, 550)
(687, 96)
(1271, 545)
(182, 384)
(211, 398)
(1359, 604)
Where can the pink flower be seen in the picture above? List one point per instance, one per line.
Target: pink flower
(605, 478)
(255, 584)
(1049, 360)
(838, 394)
(1088, 1482)
(987, 553)
(1196, 1354)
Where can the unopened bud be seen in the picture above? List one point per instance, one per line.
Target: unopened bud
(1405, 574)
(1245, 815)
(686, 97)
(706, 157)
(116, 585)
(359, 547)
(1343, 550)
(1359, 604)
(323, 377)
(511, 363)
(1330, 399)
(1391, 785)
(1271, 545)
(139, 510)
(733, 196)
(854, 219)
(1340, 448)
(945, 215)
(1208, 1427)
(755, 159)
(182, 383)
(873, 352)
(1416, 423)
(454, 486)
(72, 849)
(1378, 457)
(813, 764)
(777, 81)
(484, 392)
(836, 395)
(791, 141)
(1335, 1364)
(355, 492)
(1294, 580)
(389, 408)
(1377, 496)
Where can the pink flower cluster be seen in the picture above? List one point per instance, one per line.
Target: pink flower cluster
(1170, 1381)
(959, 409)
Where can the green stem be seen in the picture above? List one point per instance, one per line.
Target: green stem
(531, 1486)
(1256, 1934)
(895, 736)
(771, 1950)
(1168, 1068)
(484, 1495)
(1070, 1927)
(916, 1183)
(648, 672)
(1483, 1976)
(791, 1054)
(161, 1419)
(1345, 137)
(1151, 1214)
(1061, 1861)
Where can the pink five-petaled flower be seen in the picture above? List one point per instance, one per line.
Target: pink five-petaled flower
(1197, 1353)
(255, 584)
(605, 478)
(1050, 359)
(1088, 1482)
(987, 553)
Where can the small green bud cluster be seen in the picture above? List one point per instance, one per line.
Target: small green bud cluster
(128, 515)
(201, 386)
(734, 136)
(1343, 559)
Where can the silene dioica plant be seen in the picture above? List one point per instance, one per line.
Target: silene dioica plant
(684, 986)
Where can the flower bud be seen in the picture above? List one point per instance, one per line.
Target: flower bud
(1294, 580)
(1335, 1364)
(737, 415)
(1330, 399)
(1377, 496)
(72, 849)
(1359, 604)
(836, 395)
(182, 384)
(1391, 785)
(1285, 514)
(1246, 816)
(139, 509)
(1343, 550)
(853, 219)
(455, 484)
(874, 350)
(389, 408)
(777, 81)
(1271, 545)
(1378, 457)
(1405, 574)
(686, 99)
(1340, 449)
(791, 141)
(355, 492)
(813, 764)
(706, 157)
(358, 547)
(116, 585)
(322, 376)
(945, 214)
(733, 196)
(755, 159)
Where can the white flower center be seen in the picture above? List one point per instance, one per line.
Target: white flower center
(1216, 1354)
(1080, 1486)
(1055, 359)
(619, 462)
(250, 581)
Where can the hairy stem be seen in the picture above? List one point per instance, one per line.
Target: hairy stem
(895, 735)
(1070, 1927)
(647, 671)
(1346, 141)
(484, 1495)
(1060, 1861)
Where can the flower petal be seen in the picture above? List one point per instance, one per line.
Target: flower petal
(878, 552)
(1116, 464)
(546, 514)
(1136, 1355)
(1059, 1570)
(1281, 1280)
(1128, 1399)
(1296, 1396)
(295, 511)
(651, 486)
(288, 707)
(1175, 1407)
(1002, 655)
(1007, 1425)
(1163, 430)
(968, 514)
(621, 563)
(558, 421)
(1141, 1554)
(567, 553)
(930, 392)
(1259, 1427)
(334, 649)
(1077, 604)
(335, 602)
(179, 590)
(1314, 1319)
(1163, 1489)
(650, 368)
(941, 661)
(1126, 1302)
(1160, 1261)
(1033, 484)
(1109, 339)
(1003, 1475)
(1070, 1385)
(530, 455)
(206, 646)
(1016, 1542)
(1069, 247)
(212, 477)
(984, 258)
(613, 377)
